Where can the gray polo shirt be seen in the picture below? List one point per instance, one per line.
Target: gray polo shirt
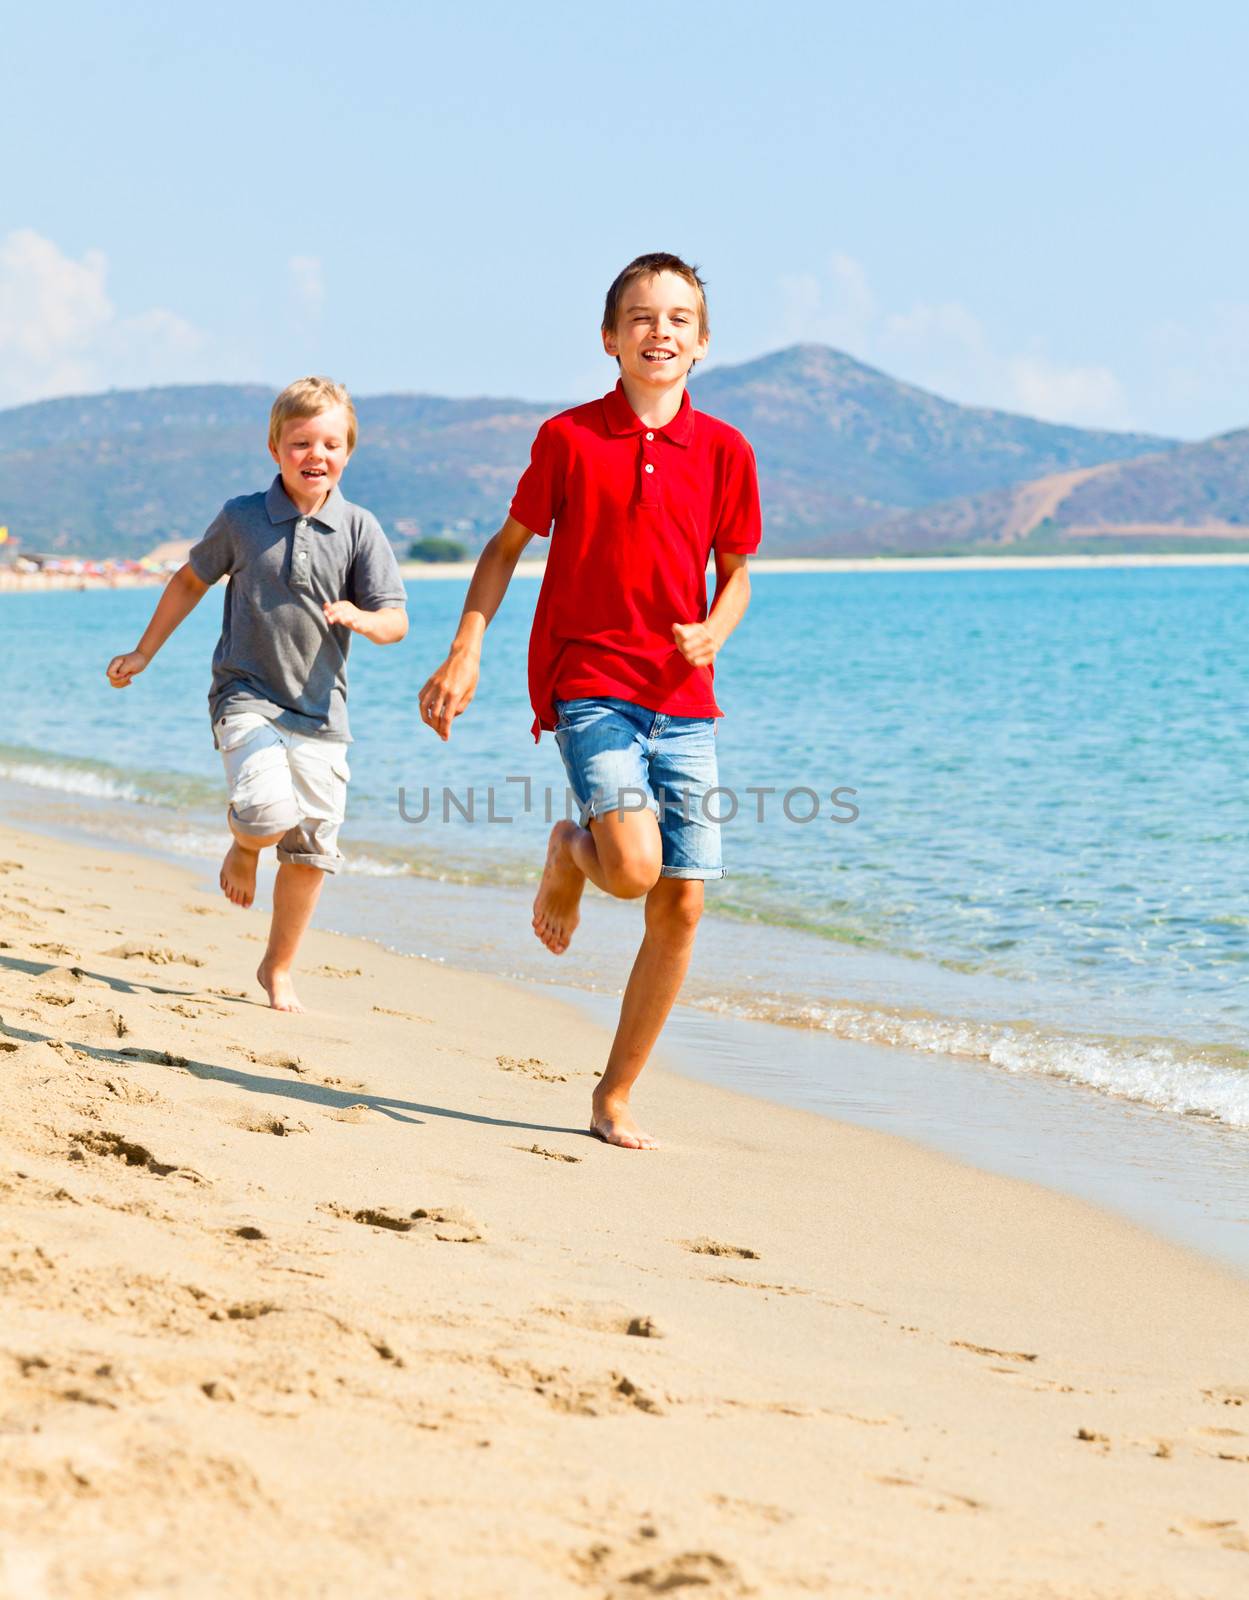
(277, 654)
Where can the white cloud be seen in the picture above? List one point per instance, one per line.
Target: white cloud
(835, 307)
(60, 332)
(308, 283)
(946, 348)
(1090, 395)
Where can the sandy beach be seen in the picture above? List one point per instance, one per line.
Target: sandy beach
(38, 582)
(318, 1306)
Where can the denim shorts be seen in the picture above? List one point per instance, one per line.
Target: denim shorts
(622, 757)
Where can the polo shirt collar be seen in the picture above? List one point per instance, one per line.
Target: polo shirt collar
(622, 419)
(282, 508)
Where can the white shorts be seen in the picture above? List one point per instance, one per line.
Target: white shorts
(285, 783)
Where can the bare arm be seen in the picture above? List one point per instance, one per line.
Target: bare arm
(179, 598)
(450, 690)
(388, 625)
(700, 642)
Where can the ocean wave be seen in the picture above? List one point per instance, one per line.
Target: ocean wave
(83, 778)
(1204, 1081)
(85, 781)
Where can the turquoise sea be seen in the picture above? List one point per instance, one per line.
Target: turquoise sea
(1047, 874)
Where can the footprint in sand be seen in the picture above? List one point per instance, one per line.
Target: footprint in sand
(281, 1126)
(596, 1396)
(713, 1247)
(933, 1499)
(97, 1141)
(158, 955)
(547, 1155)
(601, 1318)
(154, 1058)
(354, 1113)
(1224, 1532)
(987, 1350)
(531, 1068)
(282, 1059)
(448, 1224)
(617, 1574)
(337, 972)
(1226, 1396)
(132, 1094)
(408, 1016)
(751, 1283)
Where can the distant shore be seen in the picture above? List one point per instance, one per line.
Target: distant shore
(38, 582)
(808, 564)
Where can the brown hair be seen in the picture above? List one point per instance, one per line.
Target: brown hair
(309, 397)
(646, 267)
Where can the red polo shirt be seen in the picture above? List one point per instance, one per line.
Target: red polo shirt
(636, 512)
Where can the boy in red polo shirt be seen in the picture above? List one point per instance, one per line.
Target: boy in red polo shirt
(642, 490)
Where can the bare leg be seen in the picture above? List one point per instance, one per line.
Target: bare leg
(673, 908)
(296, 890)
(238, 870)
(620, 854)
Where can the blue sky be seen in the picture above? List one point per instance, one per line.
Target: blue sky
(1039, 208)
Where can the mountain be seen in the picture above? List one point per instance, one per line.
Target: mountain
(117, 473)
(841, 448)
(1193, 497)
(839, 442)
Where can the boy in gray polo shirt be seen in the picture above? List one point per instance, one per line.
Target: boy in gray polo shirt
(307, 569)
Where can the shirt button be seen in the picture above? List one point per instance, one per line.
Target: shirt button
(650, 435)
(649, 468)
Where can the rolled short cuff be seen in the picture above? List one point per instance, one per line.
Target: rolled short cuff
(264, 820)
(603, 805)
(705, 874)
(309, 858)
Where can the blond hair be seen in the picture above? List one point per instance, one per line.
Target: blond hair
(309, 397)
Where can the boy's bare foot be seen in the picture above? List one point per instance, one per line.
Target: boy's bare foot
(279, 987)
(612, 1122)
(557, 905)
(238, 875)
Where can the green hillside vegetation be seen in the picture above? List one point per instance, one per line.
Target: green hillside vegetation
(437, 549)
(841, 449)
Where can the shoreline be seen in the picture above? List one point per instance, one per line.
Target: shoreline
(803, 566)
(795, 566)
(434, 1340)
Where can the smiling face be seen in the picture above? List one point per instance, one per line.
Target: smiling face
(311, 453)
(657, 337)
